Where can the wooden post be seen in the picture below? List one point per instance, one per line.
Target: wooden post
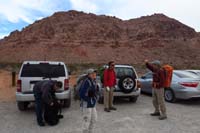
(13, 78)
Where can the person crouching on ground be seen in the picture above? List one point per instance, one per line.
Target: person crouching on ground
(157, 89)
(88, 96)
(43, 95)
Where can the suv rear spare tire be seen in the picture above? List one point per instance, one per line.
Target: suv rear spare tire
(127, 84)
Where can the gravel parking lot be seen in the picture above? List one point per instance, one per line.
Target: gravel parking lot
(183, 117)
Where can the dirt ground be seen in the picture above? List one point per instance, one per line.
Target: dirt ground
(7, 92)
(183, 117)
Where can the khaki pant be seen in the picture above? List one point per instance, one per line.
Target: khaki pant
(89, 119)
(108, 97)
(159, 101)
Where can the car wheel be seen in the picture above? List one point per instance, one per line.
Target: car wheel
(133, 99)
(127, 84)
(22, 106)
(169, 95)
(66, 103)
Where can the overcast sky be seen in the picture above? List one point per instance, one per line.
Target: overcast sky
(16, 14)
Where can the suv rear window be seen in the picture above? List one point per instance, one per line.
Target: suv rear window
(43, 70)
(124, 71)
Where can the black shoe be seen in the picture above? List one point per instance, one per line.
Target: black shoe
(106, 109)
(41, 124)
(60, 116)
(155, 114)
(113, 108)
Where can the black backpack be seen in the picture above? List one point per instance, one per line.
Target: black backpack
(52, 114)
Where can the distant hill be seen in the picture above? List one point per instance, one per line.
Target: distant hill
(78, 37)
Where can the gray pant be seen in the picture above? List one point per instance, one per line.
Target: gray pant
(89, 119)
(159, 101)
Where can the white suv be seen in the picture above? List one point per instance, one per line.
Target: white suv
(35, 71)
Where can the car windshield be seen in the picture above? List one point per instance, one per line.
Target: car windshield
(43, 70)
(124, 71)
(184, 74)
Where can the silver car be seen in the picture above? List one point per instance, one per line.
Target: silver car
(185, 85)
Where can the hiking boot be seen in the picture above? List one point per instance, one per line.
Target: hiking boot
(106, 110)
(155, 114)
(113, 108)
(162, 117)
(41, 124)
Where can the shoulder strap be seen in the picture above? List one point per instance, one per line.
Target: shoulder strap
(165, 72)
(90, 83)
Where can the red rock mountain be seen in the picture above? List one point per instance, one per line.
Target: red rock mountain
(77, 37)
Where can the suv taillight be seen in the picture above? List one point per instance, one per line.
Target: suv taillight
(66, 84)
(138, 84)
(19, 86)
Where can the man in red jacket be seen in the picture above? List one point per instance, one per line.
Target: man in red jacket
(157, 89)
(109, 82)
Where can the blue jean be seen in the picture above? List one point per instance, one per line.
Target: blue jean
(39, 107)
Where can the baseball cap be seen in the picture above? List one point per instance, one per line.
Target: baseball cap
(91, 70)
(156, 62)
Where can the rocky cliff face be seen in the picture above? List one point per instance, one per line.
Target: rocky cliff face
(77, 37)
